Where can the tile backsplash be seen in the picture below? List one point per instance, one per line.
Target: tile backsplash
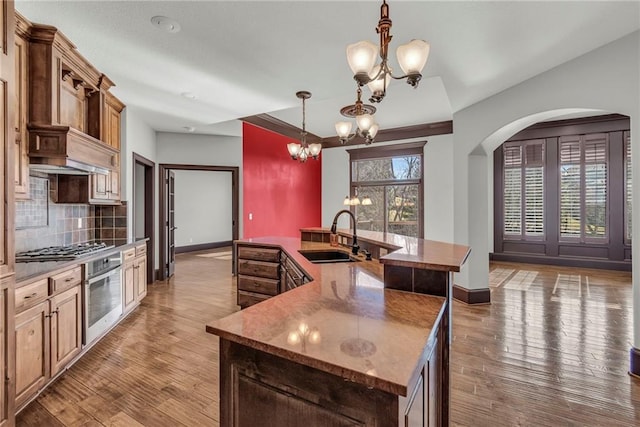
(41, 223)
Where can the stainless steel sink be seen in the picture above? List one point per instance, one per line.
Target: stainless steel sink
(327, 256)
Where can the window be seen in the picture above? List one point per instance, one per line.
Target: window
(524, 189)
(391, 176)
(627, 185)
(583, 187)
(562, 193)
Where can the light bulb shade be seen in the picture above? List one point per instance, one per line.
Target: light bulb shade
(373, 130)
(380, 84)
(413, 56)
(314, 150)
(366, 201)
(343, 129)
(362, 56)
(347, 201)
(365, 121)
(355, 201)
(294, 149)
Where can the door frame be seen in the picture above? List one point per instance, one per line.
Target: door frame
(235, 197)
(149, 206)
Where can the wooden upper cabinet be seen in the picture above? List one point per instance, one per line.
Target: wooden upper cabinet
(21, 149)
(7, 137)
(111, 129)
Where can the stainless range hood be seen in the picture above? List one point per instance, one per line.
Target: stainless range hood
(68, 151)
(70, 167)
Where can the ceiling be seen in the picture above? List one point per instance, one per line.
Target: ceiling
(242, 58)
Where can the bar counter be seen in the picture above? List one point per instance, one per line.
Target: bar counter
(343, 327)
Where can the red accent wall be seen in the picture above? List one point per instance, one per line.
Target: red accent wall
(283, 195)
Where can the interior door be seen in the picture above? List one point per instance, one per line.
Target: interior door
(171, 223)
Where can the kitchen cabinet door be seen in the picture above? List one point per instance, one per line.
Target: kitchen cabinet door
(129, 274)
(21, 149)
(100, 186)
(141, 277)
(7, 137)
(114, 185)
(32, 351)
(7, 352)
(66, 328)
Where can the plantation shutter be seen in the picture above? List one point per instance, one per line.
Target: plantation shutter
(534, 188)
(513, 190)
(628, 184)
(595, 186)
(570, 187)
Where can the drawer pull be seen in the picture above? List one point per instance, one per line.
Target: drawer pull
(35, 294)
(68, 279)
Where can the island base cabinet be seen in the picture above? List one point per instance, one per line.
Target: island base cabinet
(257, 388)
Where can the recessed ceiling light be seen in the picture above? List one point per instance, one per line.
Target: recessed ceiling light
(165, 24)
(189, 95)
(189, 128)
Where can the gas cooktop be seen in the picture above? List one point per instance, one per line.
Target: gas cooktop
(60, 253)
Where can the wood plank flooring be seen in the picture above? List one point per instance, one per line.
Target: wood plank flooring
(551, 350)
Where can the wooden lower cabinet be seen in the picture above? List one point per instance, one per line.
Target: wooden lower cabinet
(47, 337)
(7, 353)
(32, 351)
(258, 271)
(135, 278)
(66, 328)
(141, 277)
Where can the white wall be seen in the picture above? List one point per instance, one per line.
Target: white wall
(438, 185)
(202, 207)
(136, 137)
(208, 150)
(605, 79)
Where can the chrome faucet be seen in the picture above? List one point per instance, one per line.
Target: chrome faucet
(334, 226)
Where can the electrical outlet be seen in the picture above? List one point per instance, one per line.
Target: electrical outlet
(190, 240)
(250, 216)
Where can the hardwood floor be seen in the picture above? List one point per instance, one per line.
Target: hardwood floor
(551, 350)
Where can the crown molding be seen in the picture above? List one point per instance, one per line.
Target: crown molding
(399, 133)
(276, 125)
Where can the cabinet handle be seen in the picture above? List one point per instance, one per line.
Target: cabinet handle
(35, 294)
(68, 279)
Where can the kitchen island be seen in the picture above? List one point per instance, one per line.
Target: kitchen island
(343, 349)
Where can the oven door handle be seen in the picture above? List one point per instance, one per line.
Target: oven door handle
(104, 275)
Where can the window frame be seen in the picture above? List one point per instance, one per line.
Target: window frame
(383, 152)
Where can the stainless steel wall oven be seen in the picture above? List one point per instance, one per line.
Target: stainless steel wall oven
(102, 295)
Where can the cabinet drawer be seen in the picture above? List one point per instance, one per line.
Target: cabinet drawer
(259, 254)
(129, 254)
(65, 280)
(246, 299)
(32, 294)
(258, 284)
(259, 269)
(141, 250)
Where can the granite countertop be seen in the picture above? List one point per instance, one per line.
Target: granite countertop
(343, 322)
(27, 272)
(410, 251)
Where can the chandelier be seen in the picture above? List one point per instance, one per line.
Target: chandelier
(361, 56)
(304, 150)
(355, 201)
(363, 113)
